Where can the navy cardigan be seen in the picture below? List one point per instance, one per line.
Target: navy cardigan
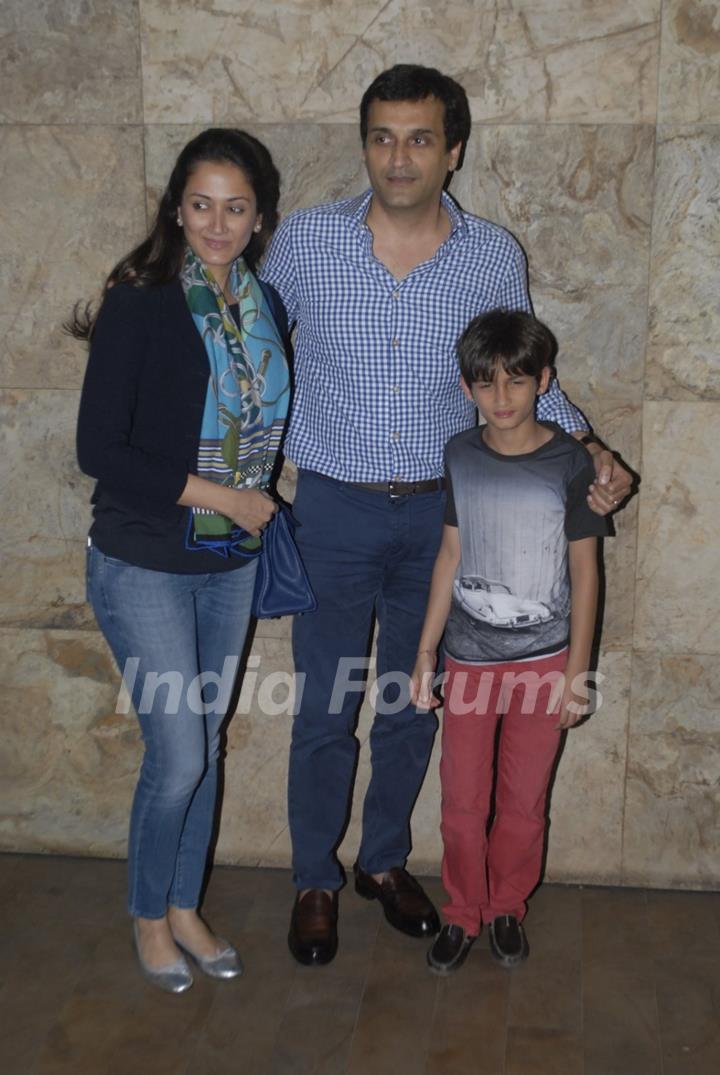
(139, 424)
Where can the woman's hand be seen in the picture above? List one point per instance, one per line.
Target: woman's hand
(252, 509)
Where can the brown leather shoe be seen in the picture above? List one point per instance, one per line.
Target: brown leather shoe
(313, 936)
(404, 902)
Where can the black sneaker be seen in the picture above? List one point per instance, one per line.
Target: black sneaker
(508, 942)
(449, 950)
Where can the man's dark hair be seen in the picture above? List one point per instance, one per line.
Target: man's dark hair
(509, 338)
(411, 82)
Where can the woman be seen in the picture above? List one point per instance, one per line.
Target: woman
(181, 415)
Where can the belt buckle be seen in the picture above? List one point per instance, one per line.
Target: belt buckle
(410, 489)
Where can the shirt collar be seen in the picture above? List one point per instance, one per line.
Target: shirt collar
(357, 209)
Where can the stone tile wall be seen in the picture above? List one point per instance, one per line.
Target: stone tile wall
(597, 130)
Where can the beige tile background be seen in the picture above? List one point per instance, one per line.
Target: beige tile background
(596, 141)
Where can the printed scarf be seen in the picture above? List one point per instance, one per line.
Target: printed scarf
(247, 397)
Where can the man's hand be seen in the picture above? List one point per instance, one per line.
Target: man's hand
(612, 483)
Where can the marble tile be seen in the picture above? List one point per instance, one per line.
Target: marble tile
(672, 806)
(683, 360)
(620, 424)
(67, 787)
(678, 552)
(87, 207)
(253, 828)
(44, 535)
(690, 62)
(426, 854)
(584, 845)
(426, 845)
(317, 163)
(75, 792)
(543, 63)
(254, 822)
(293, 60)
(68, 760)
(70, 62)
(586, 806)
(579, 201)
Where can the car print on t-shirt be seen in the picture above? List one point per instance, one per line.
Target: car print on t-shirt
(494, 603)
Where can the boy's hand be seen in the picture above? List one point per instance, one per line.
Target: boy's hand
(573, 705)
(421, 692)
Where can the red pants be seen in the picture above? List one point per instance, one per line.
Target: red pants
(489, 875)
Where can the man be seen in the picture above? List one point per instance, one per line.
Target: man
(380, 287)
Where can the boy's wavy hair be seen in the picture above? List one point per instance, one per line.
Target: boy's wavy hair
(513, 339)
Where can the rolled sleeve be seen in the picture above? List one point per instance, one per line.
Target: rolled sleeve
(554, 406)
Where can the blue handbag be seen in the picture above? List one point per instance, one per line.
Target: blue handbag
(282, 587)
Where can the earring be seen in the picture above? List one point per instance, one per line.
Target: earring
(179, 221)
(257, 227)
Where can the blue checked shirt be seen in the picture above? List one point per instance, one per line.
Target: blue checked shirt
(377, 384)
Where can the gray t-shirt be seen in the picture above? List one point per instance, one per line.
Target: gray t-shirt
(515, 515)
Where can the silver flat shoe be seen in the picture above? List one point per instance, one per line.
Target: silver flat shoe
(226, 964)
(171, 978)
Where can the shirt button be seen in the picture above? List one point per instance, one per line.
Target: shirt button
(396, 342)
(396, 295)
(396, 436)
(395, 388)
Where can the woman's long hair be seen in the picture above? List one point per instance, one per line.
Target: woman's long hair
(158, 259)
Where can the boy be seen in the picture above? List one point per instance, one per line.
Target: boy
(516, 571)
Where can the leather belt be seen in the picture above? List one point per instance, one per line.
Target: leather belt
(395, 489)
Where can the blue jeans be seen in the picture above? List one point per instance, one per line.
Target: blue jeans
(365, 554)
(176, 627)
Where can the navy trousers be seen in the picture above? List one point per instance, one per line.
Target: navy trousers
(366, 554)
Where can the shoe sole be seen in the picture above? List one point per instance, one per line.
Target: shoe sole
(422, 932)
